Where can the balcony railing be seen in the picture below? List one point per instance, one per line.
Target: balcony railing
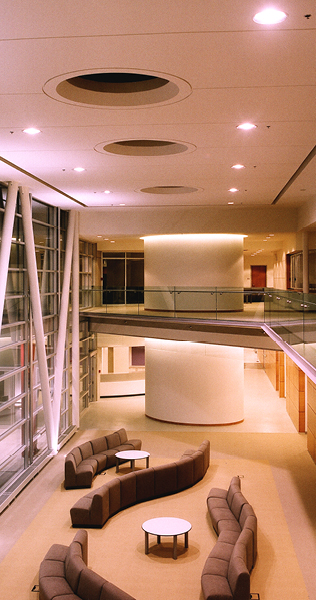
(291, 315)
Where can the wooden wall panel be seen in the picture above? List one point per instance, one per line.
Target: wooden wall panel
(311, 418)
(295, 394)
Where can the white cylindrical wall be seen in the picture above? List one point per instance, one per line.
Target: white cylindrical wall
(196, 263)
(198, 384)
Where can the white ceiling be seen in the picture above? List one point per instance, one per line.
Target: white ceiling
(233, 71)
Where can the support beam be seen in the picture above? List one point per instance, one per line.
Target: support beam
(5, 249)
(75, 329)
(62, 325)
(37, 315)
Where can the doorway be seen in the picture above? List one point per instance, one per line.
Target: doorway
(258, 276)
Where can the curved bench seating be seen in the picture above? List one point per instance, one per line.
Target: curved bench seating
(94, 509)
(64, 573)
(90, 458)
(226, 573)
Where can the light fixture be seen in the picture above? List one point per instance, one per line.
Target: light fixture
(270, 16)
(112, 241)
(246, 126)
(233, 190)
(106, 192)
(238, 166)
(31, 130)
(230, 202)
(79, 169)
(122, 204)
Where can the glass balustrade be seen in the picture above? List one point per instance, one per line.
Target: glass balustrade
(292, 315)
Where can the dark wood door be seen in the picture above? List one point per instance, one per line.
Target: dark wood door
(258, 276)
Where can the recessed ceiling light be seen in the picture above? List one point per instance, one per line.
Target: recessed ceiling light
(107, 192)
(233, 190)
(79, 169)
(122, 204)
(246, 126)
(112, 241)
(238, 166)
(99, 235)
(270, 16)
(230, 202)
(31, 131)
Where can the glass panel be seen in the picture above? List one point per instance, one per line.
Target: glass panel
(39, 443)
(11, 415)
(37, 398)
(48, 304)
(40, 211)
(13, 310)
(11, 357)
(43, 236)
(113, 281)
(38, 422)
(16, 256)
(11, 443)
(12, 334)
(12, 468)
(113, 254)
(17, 234)
(15, 282)
(12, 386)
(45, 259)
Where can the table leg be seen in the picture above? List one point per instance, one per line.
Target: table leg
(186, 539)
(147, 462)
(117, 464)
(158, 539)
(133, 465)
(175, 547)
(146, 543)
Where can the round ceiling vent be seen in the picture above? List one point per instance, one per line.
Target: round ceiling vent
(144, 147)
(169, 189)
(117, 89)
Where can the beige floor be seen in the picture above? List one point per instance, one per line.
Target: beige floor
(278, 475)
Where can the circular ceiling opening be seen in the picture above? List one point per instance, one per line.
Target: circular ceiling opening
(144, 147)
(169, 189)
(117, 89)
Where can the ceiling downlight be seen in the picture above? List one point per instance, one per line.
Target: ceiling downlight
(117, 88)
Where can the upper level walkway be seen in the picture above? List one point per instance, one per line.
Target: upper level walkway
(268, 319)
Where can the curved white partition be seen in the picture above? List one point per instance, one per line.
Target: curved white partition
(181, 272)
(198, 384)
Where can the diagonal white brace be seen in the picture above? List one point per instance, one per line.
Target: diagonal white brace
(37, 315)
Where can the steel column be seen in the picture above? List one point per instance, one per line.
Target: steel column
(75, 329)
(62, 325)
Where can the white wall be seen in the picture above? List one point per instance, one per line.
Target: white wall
(194, 383)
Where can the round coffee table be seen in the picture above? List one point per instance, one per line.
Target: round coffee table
(167, 526)
(131, 455)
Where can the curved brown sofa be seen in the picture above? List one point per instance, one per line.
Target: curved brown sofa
(226, 573)
(64, 573)
(90, 458)
(94, 509)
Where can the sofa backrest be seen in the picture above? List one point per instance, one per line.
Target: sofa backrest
(234, 487)
(238, 574)
(75, 563)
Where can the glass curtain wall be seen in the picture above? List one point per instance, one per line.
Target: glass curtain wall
(22, 431)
